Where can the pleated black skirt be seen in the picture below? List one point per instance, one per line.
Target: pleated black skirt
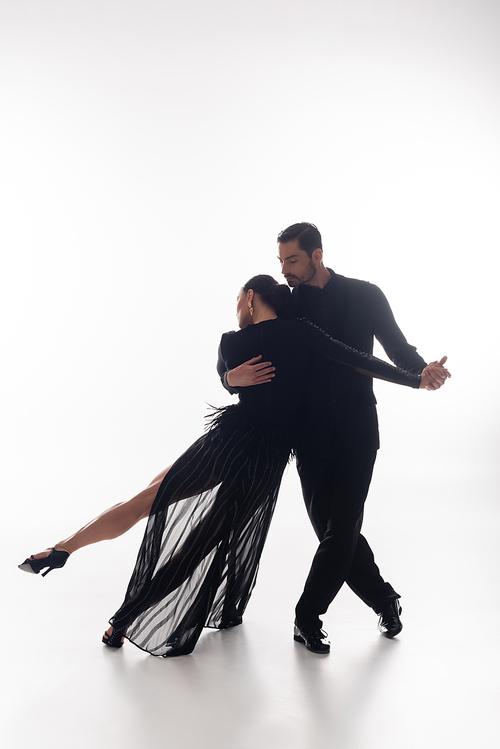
(198, 561)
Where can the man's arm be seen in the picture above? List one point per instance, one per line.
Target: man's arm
(390, 336)
(397, 348)
(252, 372)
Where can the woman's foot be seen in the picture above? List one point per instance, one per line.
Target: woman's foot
(44, 554)
(113, 638)
(53, 558)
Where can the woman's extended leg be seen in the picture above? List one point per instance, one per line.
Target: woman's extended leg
(113, 522)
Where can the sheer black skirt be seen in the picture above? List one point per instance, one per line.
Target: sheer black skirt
(199, 557)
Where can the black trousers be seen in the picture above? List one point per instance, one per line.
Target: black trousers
(335, 485)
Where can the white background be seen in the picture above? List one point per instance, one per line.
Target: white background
(150, 154)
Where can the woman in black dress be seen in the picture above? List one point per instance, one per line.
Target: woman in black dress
(199, 557)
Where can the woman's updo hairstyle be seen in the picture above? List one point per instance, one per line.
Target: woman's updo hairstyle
(271, 292)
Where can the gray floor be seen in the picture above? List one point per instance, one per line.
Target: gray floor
(437, 685)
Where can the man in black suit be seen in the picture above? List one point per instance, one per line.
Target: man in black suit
(339, 433)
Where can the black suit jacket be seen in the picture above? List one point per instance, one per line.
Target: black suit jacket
(354, 312)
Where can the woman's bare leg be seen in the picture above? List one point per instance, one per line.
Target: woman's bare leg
(112, 522)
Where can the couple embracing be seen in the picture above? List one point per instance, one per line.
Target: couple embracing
(302, 368)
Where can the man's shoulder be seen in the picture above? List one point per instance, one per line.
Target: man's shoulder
(356, 287)
(341, 287)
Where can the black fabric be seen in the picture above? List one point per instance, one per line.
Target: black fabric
(335, 484)
(295, 348)
(198, 561)
(354, 312)
(200, 553)
(340, 437)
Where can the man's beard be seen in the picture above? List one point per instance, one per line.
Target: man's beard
(307, 276)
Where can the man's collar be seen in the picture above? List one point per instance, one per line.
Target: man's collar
(329, 287)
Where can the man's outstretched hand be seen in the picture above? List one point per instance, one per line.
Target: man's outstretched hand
(251, 372)
(434, 375)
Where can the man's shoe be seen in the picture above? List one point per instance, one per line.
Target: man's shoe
(315, 640)
(389, 623)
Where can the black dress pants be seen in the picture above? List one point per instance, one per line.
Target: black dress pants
(335, 485)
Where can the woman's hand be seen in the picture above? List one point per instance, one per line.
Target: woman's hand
(251, 372)
(434, 375)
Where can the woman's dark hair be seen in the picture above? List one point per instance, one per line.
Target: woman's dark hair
(307, 236)
(277, 295)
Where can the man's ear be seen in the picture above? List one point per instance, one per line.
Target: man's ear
(317, 255)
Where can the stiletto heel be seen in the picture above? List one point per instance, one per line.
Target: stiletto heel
(114, 640)
(53, 561)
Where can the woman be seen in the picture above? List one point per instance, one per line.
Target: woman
(199, 557)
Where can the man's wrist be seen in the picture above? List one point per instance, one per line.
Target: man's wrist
(227, 384)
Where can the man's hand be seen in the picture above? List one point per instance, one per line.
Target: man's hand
(434, 375)
(251, 372)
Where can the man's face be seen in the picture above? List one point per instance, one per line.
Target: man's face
(296, 265)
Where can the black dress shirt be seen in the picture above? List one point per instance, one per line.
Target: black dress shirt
(354, 312)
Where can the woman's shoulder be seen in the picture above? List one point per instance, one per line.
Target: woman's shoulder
(226, 338)
(275, 324)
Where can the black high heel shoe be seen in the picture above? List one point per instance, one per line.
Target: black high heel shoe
(53, 561)
(114, 640)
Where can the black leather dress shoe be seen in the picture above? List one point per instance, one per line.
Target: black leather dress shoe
(314, 640)
(389, 623)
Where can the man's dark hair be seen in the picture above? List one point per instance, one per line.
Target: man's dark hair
(307, 236)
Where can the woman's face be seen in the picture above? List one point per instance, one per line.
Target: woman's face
(242, 313)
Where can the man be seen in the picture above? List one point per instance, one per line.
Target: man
(339, 431)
